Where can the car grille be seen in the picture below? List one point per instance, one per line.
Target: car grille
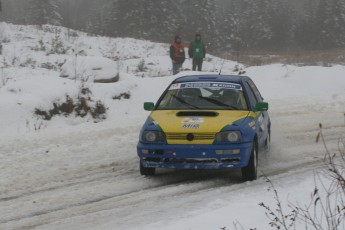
(197, 136)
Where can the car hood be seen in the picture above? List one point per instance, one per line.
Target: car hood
(174, 121)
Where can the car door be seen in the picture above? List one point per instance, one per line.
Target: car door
(262, 117)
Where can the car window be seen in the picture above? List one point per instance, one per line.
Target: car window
(255, 90)
(251, 95)
(204, 95)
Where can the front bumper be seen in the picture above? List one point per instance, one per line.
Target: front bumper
(194, 156)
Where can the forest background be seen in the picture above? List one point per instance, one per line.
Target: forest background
(289, 30)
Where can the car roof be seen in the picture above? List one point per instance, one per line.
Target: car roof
(212, 77)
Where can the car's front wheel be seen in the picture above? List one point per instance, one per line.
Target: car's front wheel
(249, 172)
(147, 171)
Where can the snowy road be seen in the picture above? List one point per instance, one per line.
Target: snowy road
(86, 176)
(71, 173)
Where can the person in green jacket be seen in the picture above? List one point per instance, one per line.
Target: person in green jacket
(197, 52)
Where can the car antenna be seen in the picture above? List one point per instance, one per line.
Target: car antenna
(220, 71)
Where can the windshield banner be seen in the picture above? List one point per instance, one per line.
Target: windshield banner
(205, 85)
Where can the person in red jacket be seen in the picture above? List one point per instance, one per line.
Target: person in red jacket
(177, 54)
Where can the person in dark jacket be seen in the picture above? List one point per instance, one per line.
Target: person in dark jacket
(177, 54)
(197, 51)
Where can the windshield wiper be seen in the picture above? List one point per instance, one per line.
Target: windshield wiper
(216, 102)
(184, 102)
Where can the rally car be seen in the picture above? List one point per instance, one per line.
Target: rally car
(205, 122)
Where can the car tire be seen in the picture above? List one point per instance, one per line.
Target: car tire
(249, 172)
(144, 171)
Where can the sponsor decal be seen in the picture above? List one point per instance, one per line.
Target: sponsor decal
(251, 124)
(175, 86)
(153, 123)
(192, 120)
(205, 85)
(191, 126)
(260, 120)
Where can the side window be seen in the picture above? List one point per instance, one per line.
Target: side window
(255, 90)
(251, 95)
(167, 98)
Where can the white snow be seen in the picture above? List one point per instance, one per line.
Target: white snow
(82, 173)
(89, 68)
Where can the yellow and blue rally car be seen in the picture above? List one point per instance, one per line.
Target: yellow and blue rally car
(204, 122)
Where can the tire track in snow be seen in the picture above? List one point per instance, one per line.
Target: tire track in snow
(109, 172)
(24, 159)
(172, 182)
(204, 181)
(165, 181)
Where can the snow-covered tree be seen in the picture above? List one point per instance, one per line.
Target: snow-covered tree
(53, 12)
(305, 27)
(231, 24)
(257, 28)
(125, 18)
(330, 24)
(45, 12)
(150, 19)
(282, 25)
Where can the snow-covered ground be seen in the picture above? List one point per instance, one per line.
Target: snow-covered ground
(82, 173)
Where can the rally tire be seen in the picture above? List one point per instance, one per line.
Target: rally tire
(250, 172)
(144, 171)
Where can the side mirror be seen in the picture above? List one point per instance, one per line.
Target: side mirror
(261, 106)
(149, 106)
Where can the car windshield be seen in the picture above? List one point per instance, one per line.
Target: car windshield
(203, 95)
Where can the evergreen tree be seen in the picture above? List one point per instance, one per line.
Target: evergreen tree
(150, 19)
(281, 24)
(53, 16)
(125, 17)
(160, 18)
(337, 25)
(97, 21)
(229, 23)
(330, 24)
(305, 34)
(45, 12)
(37, 12)
(257, 28)
(202, 19)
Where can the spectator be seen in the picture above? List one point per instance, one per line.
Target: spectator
(197, 52)
(177, 54)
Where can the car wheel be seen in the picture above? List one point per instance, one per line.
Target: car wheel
(249, 172)
(147, 171)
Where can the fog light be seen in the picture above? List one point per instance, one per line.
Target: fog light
(228, 151)
(145, 151)
(236, 151)
(219, 151)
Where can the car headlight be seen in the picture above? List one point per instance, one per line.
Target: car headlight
(229, 136)
(153, 136)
